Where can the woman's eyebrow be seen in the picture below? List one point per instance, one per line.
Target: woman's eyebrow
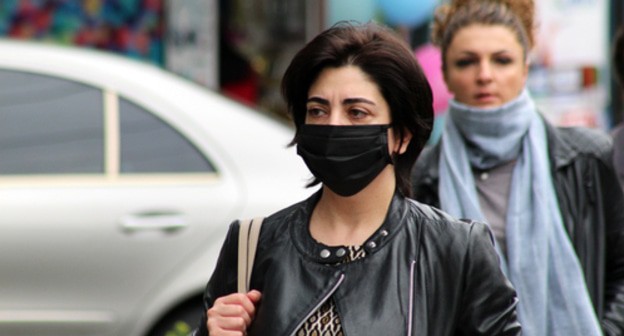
(318, 100)
(357, 100)
(346, 101)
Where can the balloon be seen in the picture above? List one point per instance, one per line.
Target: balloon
(407, 12)
(430, 60)
(357, 10)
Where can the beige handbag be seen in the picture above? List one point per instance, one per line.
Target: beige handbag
(247, 243)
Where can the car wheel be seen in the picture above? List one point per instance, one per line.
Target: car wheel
(179, 322)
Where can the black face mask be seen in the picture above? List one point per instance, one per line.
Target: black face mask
(345, 158)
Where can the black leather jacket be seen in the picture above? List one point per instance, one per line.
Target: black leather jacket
(592, 208)
(424, 274)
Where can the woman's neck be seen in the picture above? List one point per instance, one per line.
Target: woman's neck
(338, 220)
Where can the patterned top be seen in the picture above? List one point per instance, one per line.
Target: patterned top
(325, 321)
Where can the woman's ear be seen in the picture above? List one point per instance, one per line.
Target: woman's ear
(400, 145)
(449, 88)
(527, 67)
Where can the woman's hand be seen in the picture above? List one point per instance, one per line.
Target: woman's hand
(232, 314)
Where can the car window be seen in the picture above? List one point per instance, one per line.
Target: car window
(150, 145)
(49, 125)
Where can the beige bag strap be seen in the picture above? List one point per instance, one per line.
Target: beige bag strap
(247, 243)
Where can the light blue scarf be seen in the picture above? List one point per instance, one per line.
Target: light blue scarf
(541, 262)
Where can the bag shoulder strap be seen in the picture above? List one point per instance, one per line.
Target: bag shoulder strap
(247, 243)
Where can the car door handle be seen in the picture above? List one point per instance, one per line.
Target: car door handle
(153, 221)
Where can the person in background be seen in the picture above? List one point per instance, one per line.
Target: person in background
(618, 131)
(359, 257)
(549, 194)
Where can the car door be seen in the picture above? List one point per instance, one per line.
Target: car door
(100, 202)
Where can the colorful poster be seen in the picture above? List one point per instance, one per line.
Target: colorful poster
(130, 27)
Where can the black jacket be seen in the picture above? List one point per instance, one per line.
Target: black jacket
(618, 151)
(592, 208)
(423, 271)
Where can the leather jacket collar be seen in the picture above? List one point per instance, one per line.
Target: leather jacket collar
(317, 251)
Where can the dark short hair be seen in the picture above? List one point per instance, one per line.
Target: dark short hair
(388, 61)
(618, 55)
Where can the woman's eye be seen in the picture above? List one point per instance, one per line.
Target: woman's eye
(356, 113)
(314, 112)
(504, 60)
(462, 63)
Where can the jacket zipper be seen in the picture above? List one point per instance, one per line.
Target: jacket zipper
(325, 298)
(411, 298)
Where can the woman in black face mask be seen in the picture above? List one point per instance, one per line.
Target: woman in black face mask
(358, 257)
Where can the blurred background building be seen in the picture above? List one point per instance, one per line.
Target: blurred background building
(241, 47)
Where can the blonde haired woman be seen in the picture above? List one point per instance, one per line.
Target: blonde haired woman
(549, 194)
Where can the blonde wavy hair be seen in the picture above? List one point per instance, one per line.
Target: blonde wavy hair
(517, 15)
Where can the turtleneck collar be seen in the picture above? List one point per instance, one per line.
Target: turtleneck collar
(493, 135)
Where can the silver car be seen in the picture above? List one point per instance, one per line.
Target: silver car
(117, 184)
